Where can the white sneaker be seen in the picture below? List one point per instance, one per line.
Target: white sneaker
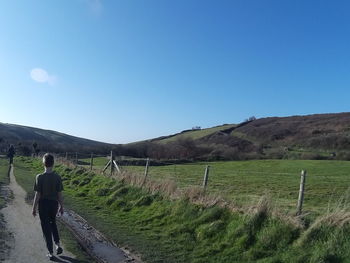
(50, 256)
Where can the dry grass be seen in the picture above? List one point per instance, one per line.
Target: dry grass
(264, 206)
(267, 207)
(339, 218)
(167, 187)
(197, 195)
(338, 214)
(64, 161)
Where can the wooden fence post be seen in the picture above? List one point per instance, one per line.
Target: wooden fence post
(301, 192)
(66, 156)
(146, 172)
(146, 169)
(112, 166)
(91, 161)
(76, 158)
(206, 175)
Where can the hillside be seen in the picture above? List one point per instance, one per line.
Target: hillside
(23, 138)
(318, 136)
(194, 134)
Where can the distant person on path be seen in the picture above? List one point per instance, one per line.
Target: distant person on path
(11, 153)
(48, 195)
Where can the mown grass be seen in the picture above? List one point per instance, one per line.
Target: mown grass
(164, 230)
(98, 162)
(25, 171)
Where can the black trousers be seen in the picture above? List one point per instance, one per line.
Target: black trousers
(47, 214)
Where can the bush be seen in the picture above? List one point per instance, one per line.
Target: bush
(312, 156)
(276, 153)
(343, 155)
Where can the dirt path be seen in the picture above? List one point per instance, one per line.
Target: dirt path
(29, 245)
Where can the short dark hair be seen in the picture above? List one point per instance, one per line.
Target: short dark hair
(48, 160)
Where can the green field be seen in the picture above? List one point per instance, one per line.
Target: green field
(192, 134)
(244, 182)
(197, 134)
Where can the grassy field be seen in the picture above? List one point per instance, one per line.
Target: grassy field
(185, 232)
(197, 134)
(244, 182)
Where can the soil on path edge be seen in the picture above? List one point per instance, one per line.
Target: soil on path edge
(29, 245)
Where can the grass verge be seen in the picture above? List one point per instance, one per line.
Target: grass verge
(3, 178)
(5, 237)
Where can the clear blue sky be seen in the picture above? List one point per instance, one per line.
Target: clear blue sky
(122, 71)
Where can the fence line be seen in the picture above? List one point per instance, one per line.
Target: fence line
(236, 183)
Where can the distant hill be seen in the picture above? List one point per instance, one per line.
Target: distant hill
(23, 138)
(318, 136)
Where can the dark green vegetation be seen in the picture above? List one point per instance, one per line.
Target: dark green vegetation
(25, 172)
(164, 230)
(47, 141)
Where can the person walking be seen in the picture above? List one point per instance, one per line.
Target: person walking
(48, 198)
(11, 153)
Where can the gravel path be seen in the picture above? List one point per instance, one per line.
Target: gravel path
(29, 245)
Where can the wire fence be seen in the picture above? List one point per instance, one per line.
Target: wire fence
(241, 182)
